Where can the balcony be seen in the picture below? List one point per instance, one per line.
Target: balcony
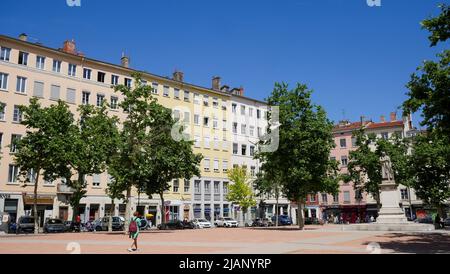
(64, 189)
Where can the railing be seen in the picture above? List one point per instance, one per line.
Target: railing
(197, 197)
(216, 197)
(63, 188)
(207, 197)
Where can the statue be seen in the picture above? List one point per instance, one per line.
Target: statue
(386, 167)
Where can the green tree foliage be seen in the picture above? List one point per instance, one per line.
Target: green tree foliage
(43, 148)
(268, 183)
(94, 143)
(240, 192)
(429, 87)
(302, 159)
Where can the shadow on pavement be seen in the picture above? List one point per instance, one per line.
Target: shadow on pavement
(284, 228)
(416, 243)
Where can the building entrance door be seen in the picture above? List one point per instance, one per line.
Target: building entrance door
(63, 213)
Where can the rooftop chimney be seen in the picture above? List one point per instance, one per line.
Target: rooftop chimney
(241, 91)
(69, 47)
(23, 37)
(125, 61)
(393, 116)
(216, 83)
(178, 76)
(382, 119)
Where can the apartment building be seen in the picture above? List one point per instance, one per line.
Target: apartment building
(33, 70)
(348, 203)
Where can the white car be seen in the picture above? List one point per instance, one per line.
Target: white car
(226, 222)
(202, 223)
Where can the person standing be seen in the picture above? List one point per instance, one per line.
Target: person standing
(133, 229)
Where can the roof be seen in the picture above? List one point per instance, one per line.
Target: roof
(347, 127)
(350, 126)
(385, 124)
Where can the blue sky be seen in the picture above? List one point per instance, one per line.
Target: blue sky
(357, 59)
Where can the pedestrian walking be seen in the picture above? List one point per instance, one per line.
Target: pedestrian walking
(133, 229)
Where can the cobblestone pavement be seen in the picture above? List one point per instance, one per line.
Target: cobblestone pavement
(315, 239)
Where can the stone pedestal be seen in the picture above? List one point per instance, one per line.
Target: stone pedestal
(390, 212)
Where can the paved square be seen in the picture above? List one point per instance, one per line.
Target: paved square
(328, 239)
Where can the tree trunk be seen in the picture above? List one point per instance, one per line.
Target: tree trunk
(301, 221)
(111, 213)
(277, 197)
(35, 213)
(75, 200)
(128, 211)
(163, 210)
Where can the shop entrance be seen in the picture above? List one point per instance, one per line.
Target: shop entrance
(64, 213)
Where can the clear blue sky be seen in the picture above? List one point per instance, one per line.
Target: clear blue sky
(356, 58)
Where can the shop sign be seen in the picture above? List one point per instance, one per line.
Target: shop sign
(5, 196)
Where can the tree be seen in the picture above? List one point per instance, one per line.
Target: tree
(94, 142)
(266, 183)
(305, 141)
(42, 150)
(114, 191)
(429, 87)
(240, 191)
(430, 168)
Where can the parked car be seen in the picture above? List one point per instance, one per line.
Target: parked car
(172, 225)
(425, 220)
(283, 220)
(202, 223)
(102, 224)
(262, 222)
(25, 224)
(54, 225)
(226, 222)
(311, 221)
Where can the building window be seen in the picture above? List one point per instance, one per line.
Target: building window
(38, 90)
(196, 119)
(208, 187)
(206, 121)
(155, 88)
(242, 110)
(244, 150)
(96, 180)
(100, 99)
(235, 126)
(14, 139)
(56, 66)
(224, 143)
(336, 198)
(176, 185)
(216, 187)
(206, 142)
(176, 93)
(3, 81)
(344, 161)
(225, 188)
(215, 102)
(1, 141)
(197, 141)
(324, 198)
(243, 129)
(85, 98)
(55, 92)
(206, 164)
(224, 105)
(196, 99)
(205, 100)
(216, 165)
(385, 135)
(343, 143)
(166, 91)
(259, 132)
(250, 112)
(114, 80)
(127, 82)
(235, 148)
(2, 111)
(101, 77)
(12, 174)
(216, 142)
(70, 96)
(252, 171)
(17, 115)
(233, 108)
(224, 124)
(252, 131)
(258, 113)
(23, 58)
(197, 189)
(404, 194)
(187, 186)
(312, 198)
(186, 96)
(114, 104)
(225, 166)
(215, 123)
(354, 141)
(5, 53)
(40, 62)
(21, 84)
(346, 196)
(87, 73)
(252, 150)
(72, 70)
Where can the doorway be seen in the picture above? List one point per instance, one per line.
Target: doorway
(64, 213)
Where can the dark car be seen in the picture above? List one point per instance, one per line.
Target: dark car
(447, 222)
(103, 224)
(283, 220)
(176, 225)
(54, 226)
(311, 221)
(72, 226)
(262, 222)
(425, 220)
(25, 224)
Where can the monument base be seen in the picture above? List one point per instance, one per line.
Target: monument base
(402, 227)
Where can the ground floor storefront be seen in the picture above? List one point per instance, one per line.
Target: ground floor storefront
(344, 213)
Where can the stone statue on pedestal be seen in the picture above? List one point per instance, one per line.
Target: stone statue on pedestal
(386, 168)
